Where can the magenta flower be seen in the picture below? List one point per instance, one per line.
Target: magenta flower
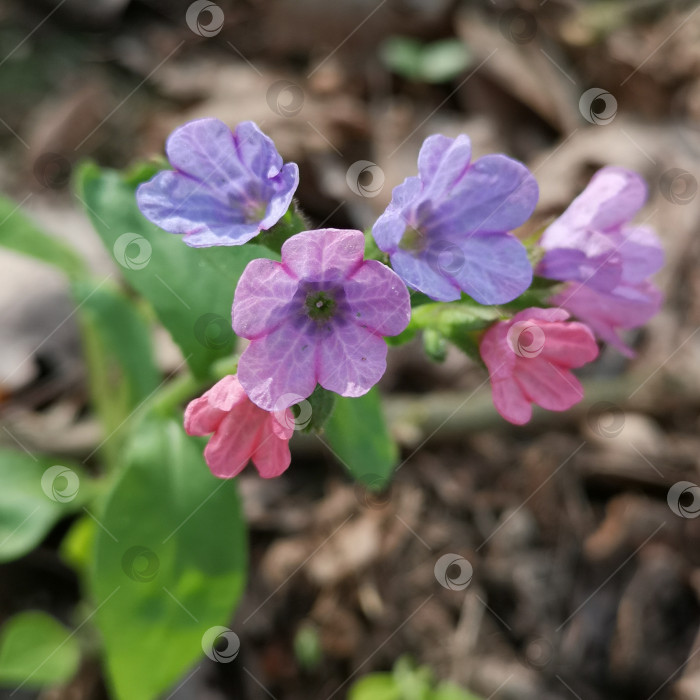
(529, 359)
(606, 260)
(242, 431)
(447, 230)
(225, 187)
(318, 316)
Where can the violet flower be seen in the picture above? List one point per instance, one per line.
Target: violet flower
(225, 188)
(447, 230)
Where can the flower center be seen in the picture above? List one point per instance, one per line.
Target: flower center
(320, 306)
(255, 212)
(413, 240)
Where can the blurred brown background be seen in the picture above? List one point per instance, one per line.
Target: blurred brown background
(586, 575)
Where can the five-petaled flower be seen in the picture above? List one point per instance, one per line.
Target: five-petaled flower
(225, 187)
(447, 230)
(316, 317)
(242, 431)
(606, 261)
(529, 358)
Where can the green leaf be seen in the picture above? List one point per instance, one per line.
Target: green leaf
(444, 60)
(358, 435)
(36, 650)
(36, 493)
(375, 686)
(449, 691)
(169, 563)
(20, 234)
(117, 340)
(402, 55)
(191, 289)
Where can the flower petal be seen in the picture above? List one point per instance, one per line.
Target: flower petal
(283, 186)
(510, 401)
(279, 369)
(642, 253)
(179, 204)
(203, 415)
(234, 442)
(417, 273)
(378, 298)
(547, 384)
(568, 345)
(442, 163)
(272, 456)
(262, 295)
(495, 268)
(391, 225)
(324, 255)
(351, 360)
(496, 193)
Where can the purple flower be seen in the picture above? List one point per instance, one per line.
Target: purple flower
(318, 316)
(606, 261)
(446, 230)
(225, 187)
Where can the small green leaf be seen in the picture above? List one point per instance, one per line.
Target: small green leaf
(359, 437)
(36, 650)
(402, 55)
(36, 493)
(449, 691)
(190, 289)
(307, 647)
(375, 686)
(313, 413)
(170, 561)
(20, 234)
(443, 60)
(434, 345)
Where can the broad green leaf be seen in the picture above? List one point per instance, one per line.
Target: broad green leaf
(375, 686)
(169, 563)
(35, 493)
(36, 650)
(358, 435)
(20, 234)
(443, 60)
(123, 372)
(191, 289)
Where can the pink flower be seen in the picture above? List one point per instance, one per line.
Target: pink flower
(529, 358)
(242, 431)
(319, 316)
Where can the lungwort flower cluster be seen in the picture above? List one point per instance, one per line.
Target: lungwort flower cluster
(319, 316)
